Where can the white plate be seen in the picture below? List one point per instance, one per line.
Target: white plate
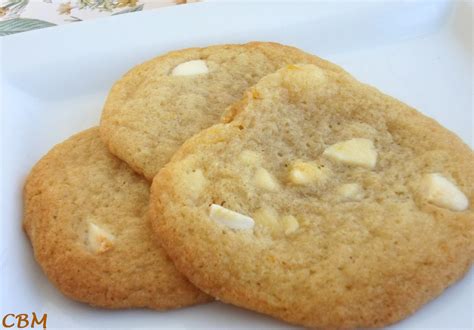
(54, 82)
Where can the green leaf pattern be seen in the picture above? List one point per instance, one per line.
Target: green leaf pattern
(13, 20)
(16, 25)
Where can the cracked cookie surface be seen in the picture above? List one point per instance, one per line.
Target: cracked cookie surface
(320, 201)
(159, 104)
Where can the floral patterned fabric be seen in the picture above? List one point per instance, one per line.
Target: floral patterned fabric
(24, 15)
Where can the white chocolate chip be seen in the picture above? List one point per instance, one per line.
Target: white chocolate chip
(438, 190)
(290, 223)
(190, 68)
(358, 152)
(196, 182)
(267, 217)
(229, 218)
(99, 239)
(264, 180)
(350, 192)
(249, 157)
(305, 173)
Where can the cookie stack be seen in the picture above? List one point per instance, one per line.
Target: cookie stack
(260, 175)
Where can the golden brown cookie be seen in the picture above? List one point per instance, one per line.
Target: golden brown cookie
(322, 202)
(86, 217)
(157, 105)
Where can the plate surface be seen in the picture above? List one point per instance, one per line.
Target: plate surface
(54, 82)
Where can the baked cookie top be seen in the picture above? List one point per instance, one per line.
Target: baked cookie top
(159, 104)
(86, 216)
(322, 202)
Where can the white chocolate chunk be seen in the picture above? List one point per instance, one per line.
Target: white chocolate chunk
(195, 183)
(264, 180)
(99, 239)
(290, 223)
(305, 173)
(267, 217)
(229, 218)
(350, 192)
(249, 157)
(438, 190)
(190, 68)
(358, 152)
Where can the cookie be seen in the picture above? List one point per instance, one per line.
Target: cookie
(86, 216)
(157, 105)
(321, 201)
